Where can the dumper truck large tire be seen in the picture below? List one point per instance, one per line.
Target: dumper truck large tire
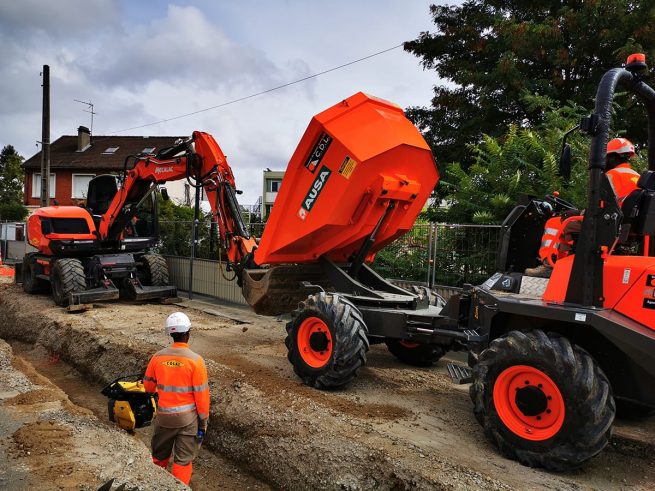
(327, 341)
(415, 354)
(542, 400)
(66, 276)
(32, 284)
(155, 269)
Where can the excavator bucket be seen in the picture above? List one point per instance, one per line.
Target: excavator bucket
(279, 289)
(358, 161)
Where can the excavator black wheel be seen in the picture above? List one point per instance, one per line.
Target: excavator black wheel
(32, 284)
(66, 276)
(415, 354)
(155, 269)
(327, 342)
(542, 400)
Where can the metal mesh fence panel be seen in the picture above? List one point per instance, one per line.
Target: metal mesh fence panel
(436, 254)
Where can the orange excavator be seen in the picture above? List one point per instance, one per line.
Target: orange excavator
(100, 251)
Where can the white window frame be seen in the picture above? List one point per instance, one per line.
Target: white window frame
(270, 185)
(53, 187)
(73, 184)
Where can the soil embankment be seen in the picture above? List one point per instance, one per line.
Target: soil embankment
(396, 427)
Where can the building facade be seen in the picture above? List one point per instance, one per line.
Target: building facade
(272, 183)
(75, 160)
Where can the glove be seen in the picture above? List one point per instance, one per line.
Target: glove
(202, 427)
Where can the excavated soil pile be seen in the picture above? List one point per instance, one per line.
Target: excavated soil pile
(396, 427)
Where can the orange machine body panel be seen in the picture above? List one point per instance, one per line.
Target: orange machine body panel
(41, 241)
(354, 160)
(628, 285)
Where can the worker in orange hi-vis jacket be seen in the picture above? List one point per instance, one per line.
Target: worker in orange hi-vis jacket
(179, 377)
(556, 241)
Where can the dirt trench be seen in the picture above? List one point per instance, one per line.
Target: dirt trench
(395, 428)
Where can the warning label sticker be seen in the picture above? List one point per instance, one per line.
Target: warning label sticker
(347, 167)
(650, 280)
(649, 303)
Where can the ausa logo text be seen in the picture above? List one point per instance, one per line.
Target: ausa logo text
(173, 363)
(314, 192)
(318, 151)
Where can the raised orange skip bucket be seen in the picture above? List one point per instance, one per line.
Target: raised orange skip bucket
(353, 160)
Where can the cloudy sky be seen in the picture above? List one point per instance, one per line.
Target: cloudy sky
(144, 61)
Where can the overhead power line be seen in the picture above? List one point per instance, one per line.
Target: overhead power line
(240, 99)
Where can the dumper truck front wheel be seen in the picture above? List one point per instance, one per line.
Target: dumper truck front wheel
(542, 400)
(415, 354)
(327, 341)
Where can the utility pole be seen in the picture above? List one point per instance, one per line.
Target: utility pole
(194, 243)
(45, 139)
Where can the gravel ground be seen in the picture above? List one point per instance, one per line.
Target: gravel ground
(395, 428)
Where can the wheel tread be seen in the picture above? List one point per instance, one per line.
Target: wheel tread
(593, 404)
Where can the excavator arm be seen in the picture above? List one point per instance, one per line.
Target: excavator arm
(201, 161)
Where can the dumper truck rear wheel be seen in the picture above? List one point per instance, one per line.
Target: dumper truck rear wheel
(415, 354)
(155, 269)
(32, 284)
(542, 400)
(327, 341)
(66, 276)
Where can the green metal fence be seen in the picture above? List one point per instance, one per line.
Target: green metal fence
(432, 253)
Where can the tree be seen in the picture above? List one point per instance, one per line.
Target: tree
(494, 52)
(11, 176)
(11, 185)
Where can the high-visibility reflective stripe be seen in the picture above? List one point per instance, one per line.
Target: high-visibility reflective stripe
(551, 231)
(202, 415)
(174, 388)
(176, 409)
(625, 170)
(548, 242)
(181, 352)
(149, 379)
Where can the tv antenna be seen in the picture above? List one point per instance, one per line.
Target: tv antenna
(90, 111)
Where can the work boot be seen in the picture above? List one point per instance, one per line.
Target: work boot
(183, 472)
(161, 463)
(541, 271)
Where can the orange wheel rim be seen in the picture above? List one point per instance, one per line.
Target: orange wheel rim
(314, 342)
(529, 403)
(408, 344)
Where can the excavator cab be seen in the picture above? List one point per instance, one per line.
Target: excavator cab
(102, 190)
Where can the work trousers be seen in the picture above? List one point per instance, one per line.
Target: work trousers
(183, 441)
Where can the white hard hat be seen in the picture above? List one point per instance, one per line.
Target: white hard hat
(177, 322)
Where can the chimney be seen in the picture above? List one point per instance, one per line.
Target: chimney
(83, 138)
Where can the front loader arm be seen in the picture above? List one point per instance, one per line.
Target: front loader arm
(199, 160)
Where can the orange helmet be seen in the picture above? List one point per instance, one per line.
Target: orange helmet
(620, 145)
